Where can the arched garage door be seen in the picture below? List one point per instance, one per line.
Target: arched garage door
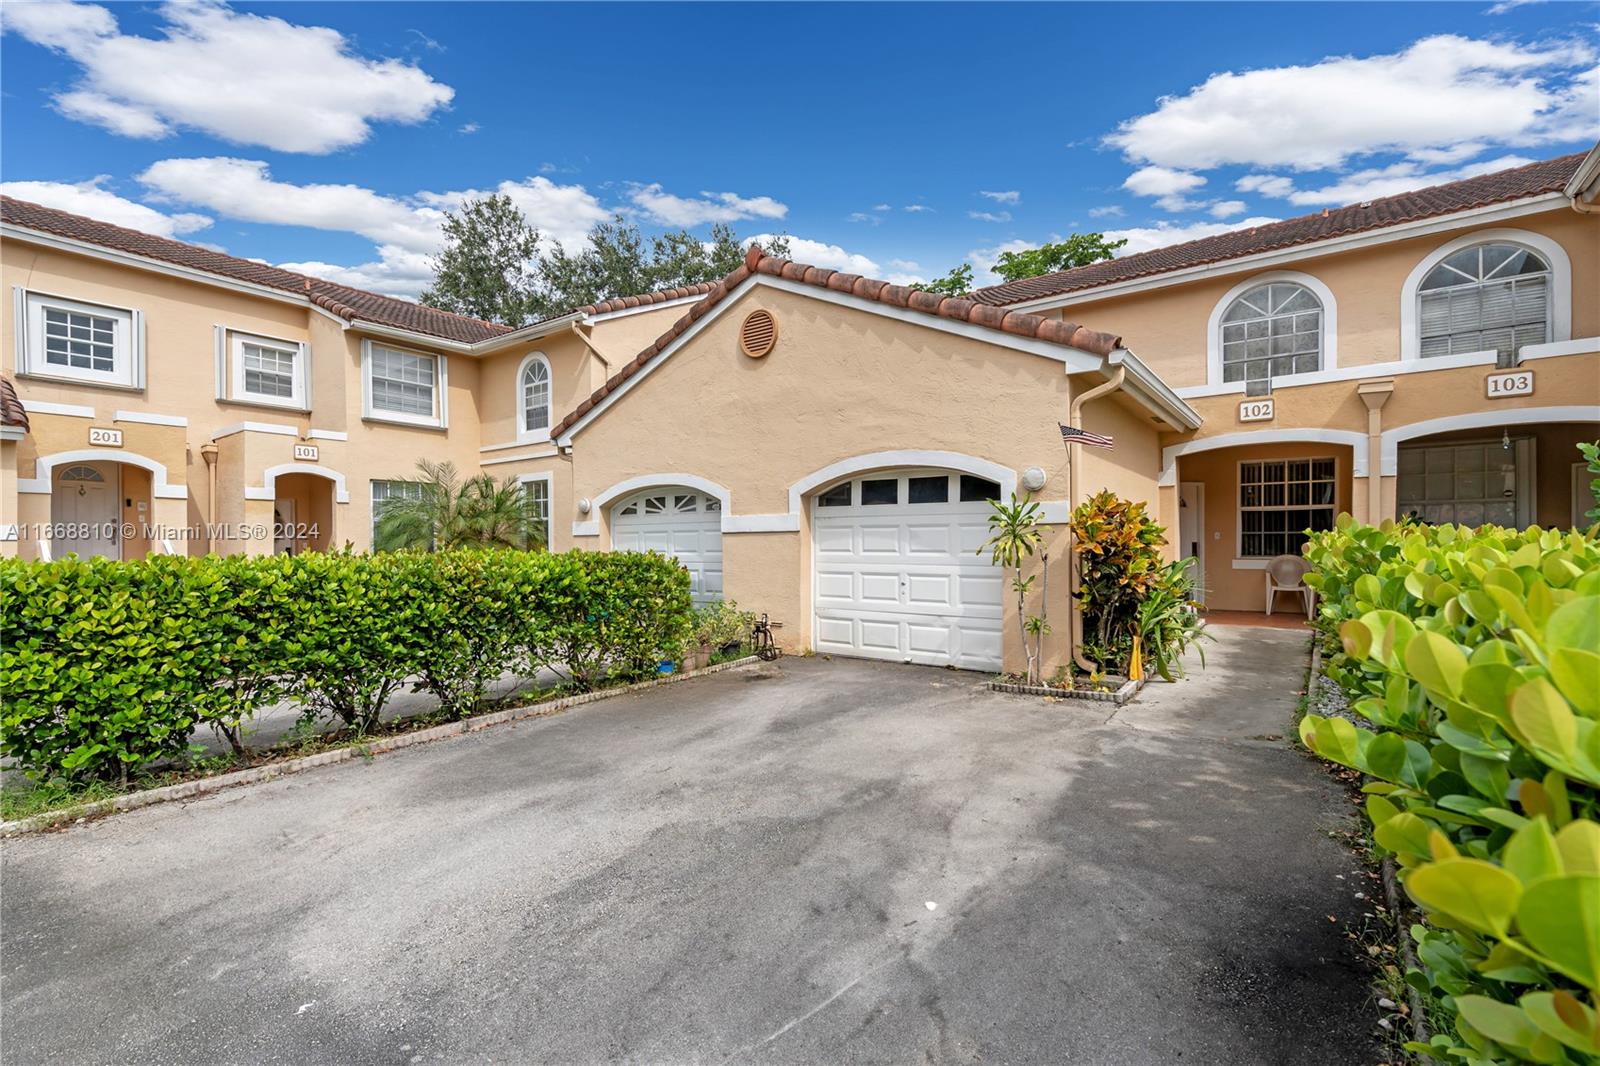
(682, 523)
(897, 574)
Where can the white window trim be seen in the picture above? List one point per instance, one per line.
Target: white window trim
(1329, 358)
(128, 346)
(441, 387)
(549, 481)
(1549, 249)
(230, 367)
(524, 434)
(1241, 561)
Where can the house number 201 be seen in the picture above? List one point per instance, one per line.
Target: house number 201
(1516, 383)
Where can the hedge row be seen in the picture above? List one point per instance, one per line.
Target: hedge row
(1476, 656)
(107, 667)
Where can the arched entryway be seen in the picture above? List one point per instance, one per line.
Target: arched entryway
(86, 511)
(302, 513)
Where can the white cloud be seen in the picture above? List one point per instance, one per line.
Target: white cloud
(882, 207)
(984, 259)
(670, 210)
(907, 265)
(1372, 183)
(916, 208)
(862, 216)
(1439, 92)
(822, 254)
(397, 272)
(1509, 5)
(1008, 197)
(1227, 208)
(469, 127)
(990, 216)
(290, 87)
(1109, 211)
(1265, 184)
(1167, 186)
(89, 198)
(1144, 238)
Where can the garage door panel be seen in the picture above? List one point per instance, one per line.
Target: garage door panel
(982, 589)
(971, 537)
(931, 590)
(878, 635)
(880, 539)
(932, 540)
(879, 588)
(683, 528)
(834, 540)
(834, 585)
(935, 640)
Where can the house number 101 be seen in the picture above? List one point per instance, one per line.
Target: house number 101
(1516, 383)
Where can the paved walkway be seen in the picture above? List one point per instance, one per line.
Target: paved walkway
(817, 861)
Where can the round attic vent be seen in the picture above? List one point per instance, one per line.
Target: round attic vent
(758, 334)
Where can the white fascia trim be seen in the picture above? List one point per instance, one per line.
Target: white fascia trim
(148, 419)
(425, 340)
(1357, 442)
(517, 459)
(1153, 393)
(1576, 346)
(1351, 373)
(1560, 283)
(1076, 361)
(681, 301)
(326, 434)
(47, 407)
(12, 433)
(526, 333)
(160, 488)
(1506, 416)
(1004, 476)
(1588, 170)
(139, 262)
(268, 490)
(1531, 205)
(256, 427)
(1330, 319)
(586, 529)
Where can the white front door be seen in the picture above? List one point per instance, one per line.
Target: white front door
(681, 523)
(84, 512)
(897, 574)
(1192, 533)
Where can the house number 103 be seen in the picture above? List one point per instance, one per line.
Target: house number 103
(1516, 383)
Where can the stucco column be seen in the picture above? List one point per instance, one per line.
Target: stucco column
(1375, 394)
(10, 528)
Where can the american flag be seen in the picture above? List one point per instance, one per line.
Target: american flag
(1073, 435)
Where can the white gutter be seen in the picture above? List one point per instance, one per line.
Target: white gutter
(1154, 393)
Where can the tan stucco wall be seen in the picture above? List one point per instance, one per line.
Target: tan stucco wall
(1167, 326)
(841, 383)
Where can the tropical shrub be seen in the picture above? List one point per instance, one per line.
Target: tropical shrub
(107, 668)
(448, 512)
(1475, 654)
(1014, 536)
(719, 624)
(1119, 560)
(1167, 621)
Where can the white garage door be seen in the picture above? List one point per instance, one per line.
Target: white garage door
(897, 574)
(682, 523)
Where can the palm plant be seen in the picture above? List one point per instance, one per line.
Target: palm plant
(450, 513)
(1014, 535)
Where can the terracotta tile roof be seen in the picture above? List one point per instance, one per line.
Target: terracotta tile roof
(11, 412)
(1018, 323)
(1500, 187)
(341, 300)
(623, 303)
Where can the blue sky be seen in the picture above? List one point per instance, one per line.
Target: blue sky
(896, 140)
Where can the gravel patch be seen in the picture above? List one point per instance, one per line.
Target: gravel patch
(1330, 701)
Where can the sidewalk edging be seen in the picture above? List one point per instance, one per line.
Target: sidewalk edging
(207, 785)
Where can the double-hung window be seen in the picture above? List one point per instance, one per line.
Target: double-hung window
(78, 341)
(267, 371)
(384, 492)
(1279, 499)
(536, 491)
(405, 386)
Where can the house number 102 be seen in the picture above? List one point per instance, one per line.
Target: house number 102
(1516, 383)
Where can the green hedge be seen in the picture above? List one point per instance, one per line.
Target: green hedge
(108, 667)
(1476, 656)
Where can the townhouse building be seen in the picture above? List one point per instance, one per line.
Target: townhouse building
(823, 446)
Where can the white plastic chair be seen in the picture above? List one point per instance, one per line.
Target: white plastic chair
(1286, 573)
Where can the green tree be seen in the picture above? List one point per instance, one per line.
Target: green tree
(1078, 250)
(956, 283)
(450, 513)
(485, 268)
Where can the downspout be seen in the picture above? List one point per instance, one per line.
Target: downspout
(1074, 451)
(1375, 394)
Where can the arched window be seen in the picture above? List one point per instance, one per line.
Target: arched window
(536, 395)
(1487, 297)
(1270, 331)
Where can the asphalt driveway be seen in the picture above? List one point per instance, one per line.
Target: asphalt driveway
(817, 861)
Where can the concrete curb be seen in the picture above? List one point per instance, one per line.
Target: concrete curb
(1120, 696)
(207, 785)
